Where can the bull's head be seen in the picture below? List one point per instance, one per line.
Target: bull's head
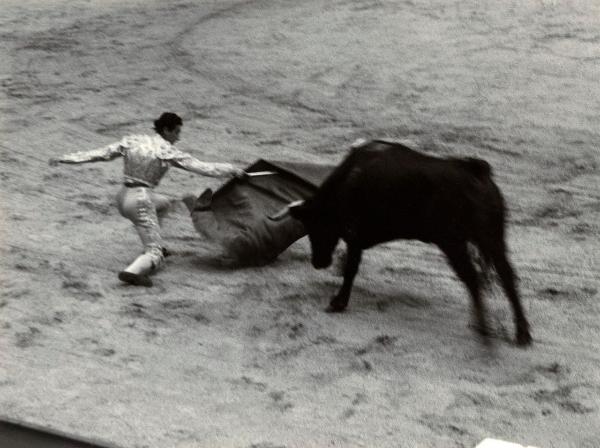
(320, 226)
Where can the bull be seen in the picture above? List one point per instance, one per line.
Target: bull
(384, 191)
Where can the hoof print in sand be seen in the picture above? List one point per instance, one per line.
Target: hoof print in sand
(279, 401)
(439, 425)
(578, 399)
(83, 289)
(266, 445)
(252, 383)
(351, 411)
(361, 366)
(27, 338)
(378, 344)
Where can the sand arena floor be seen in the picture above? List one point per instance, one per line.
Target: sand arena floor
(212, 357)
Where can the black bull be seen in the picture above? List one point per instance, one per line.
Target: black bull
(385, 191)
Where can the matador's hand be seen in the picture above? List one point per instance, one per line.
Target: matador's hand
(241, 174)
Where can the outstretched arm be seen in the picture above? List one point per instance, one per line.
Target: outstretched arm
(185, 161)
(101, 154)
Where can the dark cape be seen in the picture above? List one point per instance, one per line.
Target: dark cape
(236, 216)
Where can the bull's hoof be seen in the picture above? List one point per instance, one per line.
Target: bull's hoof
(524, 338)
(483, 334)
(482, 330)
(333, 308)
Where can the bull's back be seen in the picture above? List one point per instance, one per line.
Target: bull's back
(396, 192)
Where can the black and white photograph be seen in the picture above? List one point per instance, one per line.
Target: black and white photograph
(300, 224)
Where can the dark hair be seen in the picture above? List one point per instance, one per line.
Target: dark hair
(167, 120)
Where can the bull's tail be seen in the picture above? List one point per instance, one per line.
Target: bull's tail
(478, 167)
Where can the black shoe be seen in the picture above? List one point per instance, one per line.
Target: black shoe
(135, 279)
(166, 252)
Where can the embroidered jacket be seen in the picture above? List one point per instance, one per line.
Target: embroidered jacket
(147, 159)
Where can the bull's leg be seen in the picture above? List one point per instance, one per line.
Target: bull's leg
(507, 277)
(459, 259)
(340, 301)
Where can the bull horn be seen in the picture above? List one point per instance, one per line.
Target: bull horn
(285, 211)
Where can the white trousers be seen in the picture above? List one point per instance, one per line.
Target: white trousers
(145, 209)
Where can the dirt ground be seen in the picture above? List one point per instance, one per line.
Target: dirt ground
(214, 357)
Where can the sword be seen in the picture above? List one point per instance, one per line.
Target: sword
(261, 173)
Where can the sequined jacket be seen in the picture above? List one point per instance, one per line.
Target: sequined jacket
(147, 159)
